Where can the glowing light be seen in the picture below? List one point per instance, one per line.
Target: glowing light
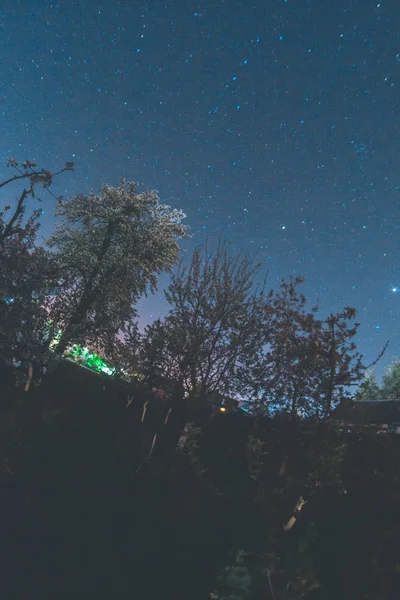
(222, 408)
(90, 359)
(395, 289)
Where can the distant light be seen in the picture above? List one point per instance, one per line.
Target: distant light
(395, 289)
(222, 408)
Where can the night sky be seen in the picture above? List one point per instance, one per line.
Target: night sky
(274, 123)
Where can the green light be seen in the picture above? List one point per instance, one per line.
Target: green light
(90, 359)
(83, 356)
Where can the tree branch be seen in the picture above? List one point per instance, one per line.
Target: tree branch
(8, 230)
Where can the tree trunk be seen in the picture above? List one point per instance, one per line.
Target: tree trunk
(75, 321)
(88, 295)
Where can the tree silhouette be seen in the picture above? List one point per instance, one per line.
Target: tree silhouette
(25, 268)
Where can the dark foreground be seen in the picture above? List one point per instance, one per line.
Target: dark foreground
(84, 514)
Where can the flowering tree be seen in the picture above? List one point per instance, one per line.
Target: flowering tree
(110, 248)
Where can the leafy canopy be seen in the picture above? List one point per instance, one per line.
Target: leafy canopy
(110, 248)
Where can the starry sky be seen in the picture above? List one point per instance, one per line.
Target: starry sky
(274, 123)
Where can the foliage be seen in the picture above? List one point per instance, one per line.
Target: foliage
(369, 389)
(284, 371)
(234, 581)
(340, 364)
(122, 351)
(287, 460)
(214, 322)
(26, 270)
(188, 446)
(309, 364)
(110, 248)
(390, 388)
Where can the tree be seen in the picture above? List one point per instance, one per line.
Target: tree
(390, 389)
(282, 375)
(122, 351)
(214, 323)
(25, 268)
(341, 365)
(222, 336)
(309, 363)
(110, 248)
(369, 389)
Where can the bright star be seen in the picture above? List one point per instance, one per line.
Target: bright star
(395, 289)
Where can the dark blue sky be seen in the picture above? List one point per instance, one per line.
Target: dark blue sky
(273, 122)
